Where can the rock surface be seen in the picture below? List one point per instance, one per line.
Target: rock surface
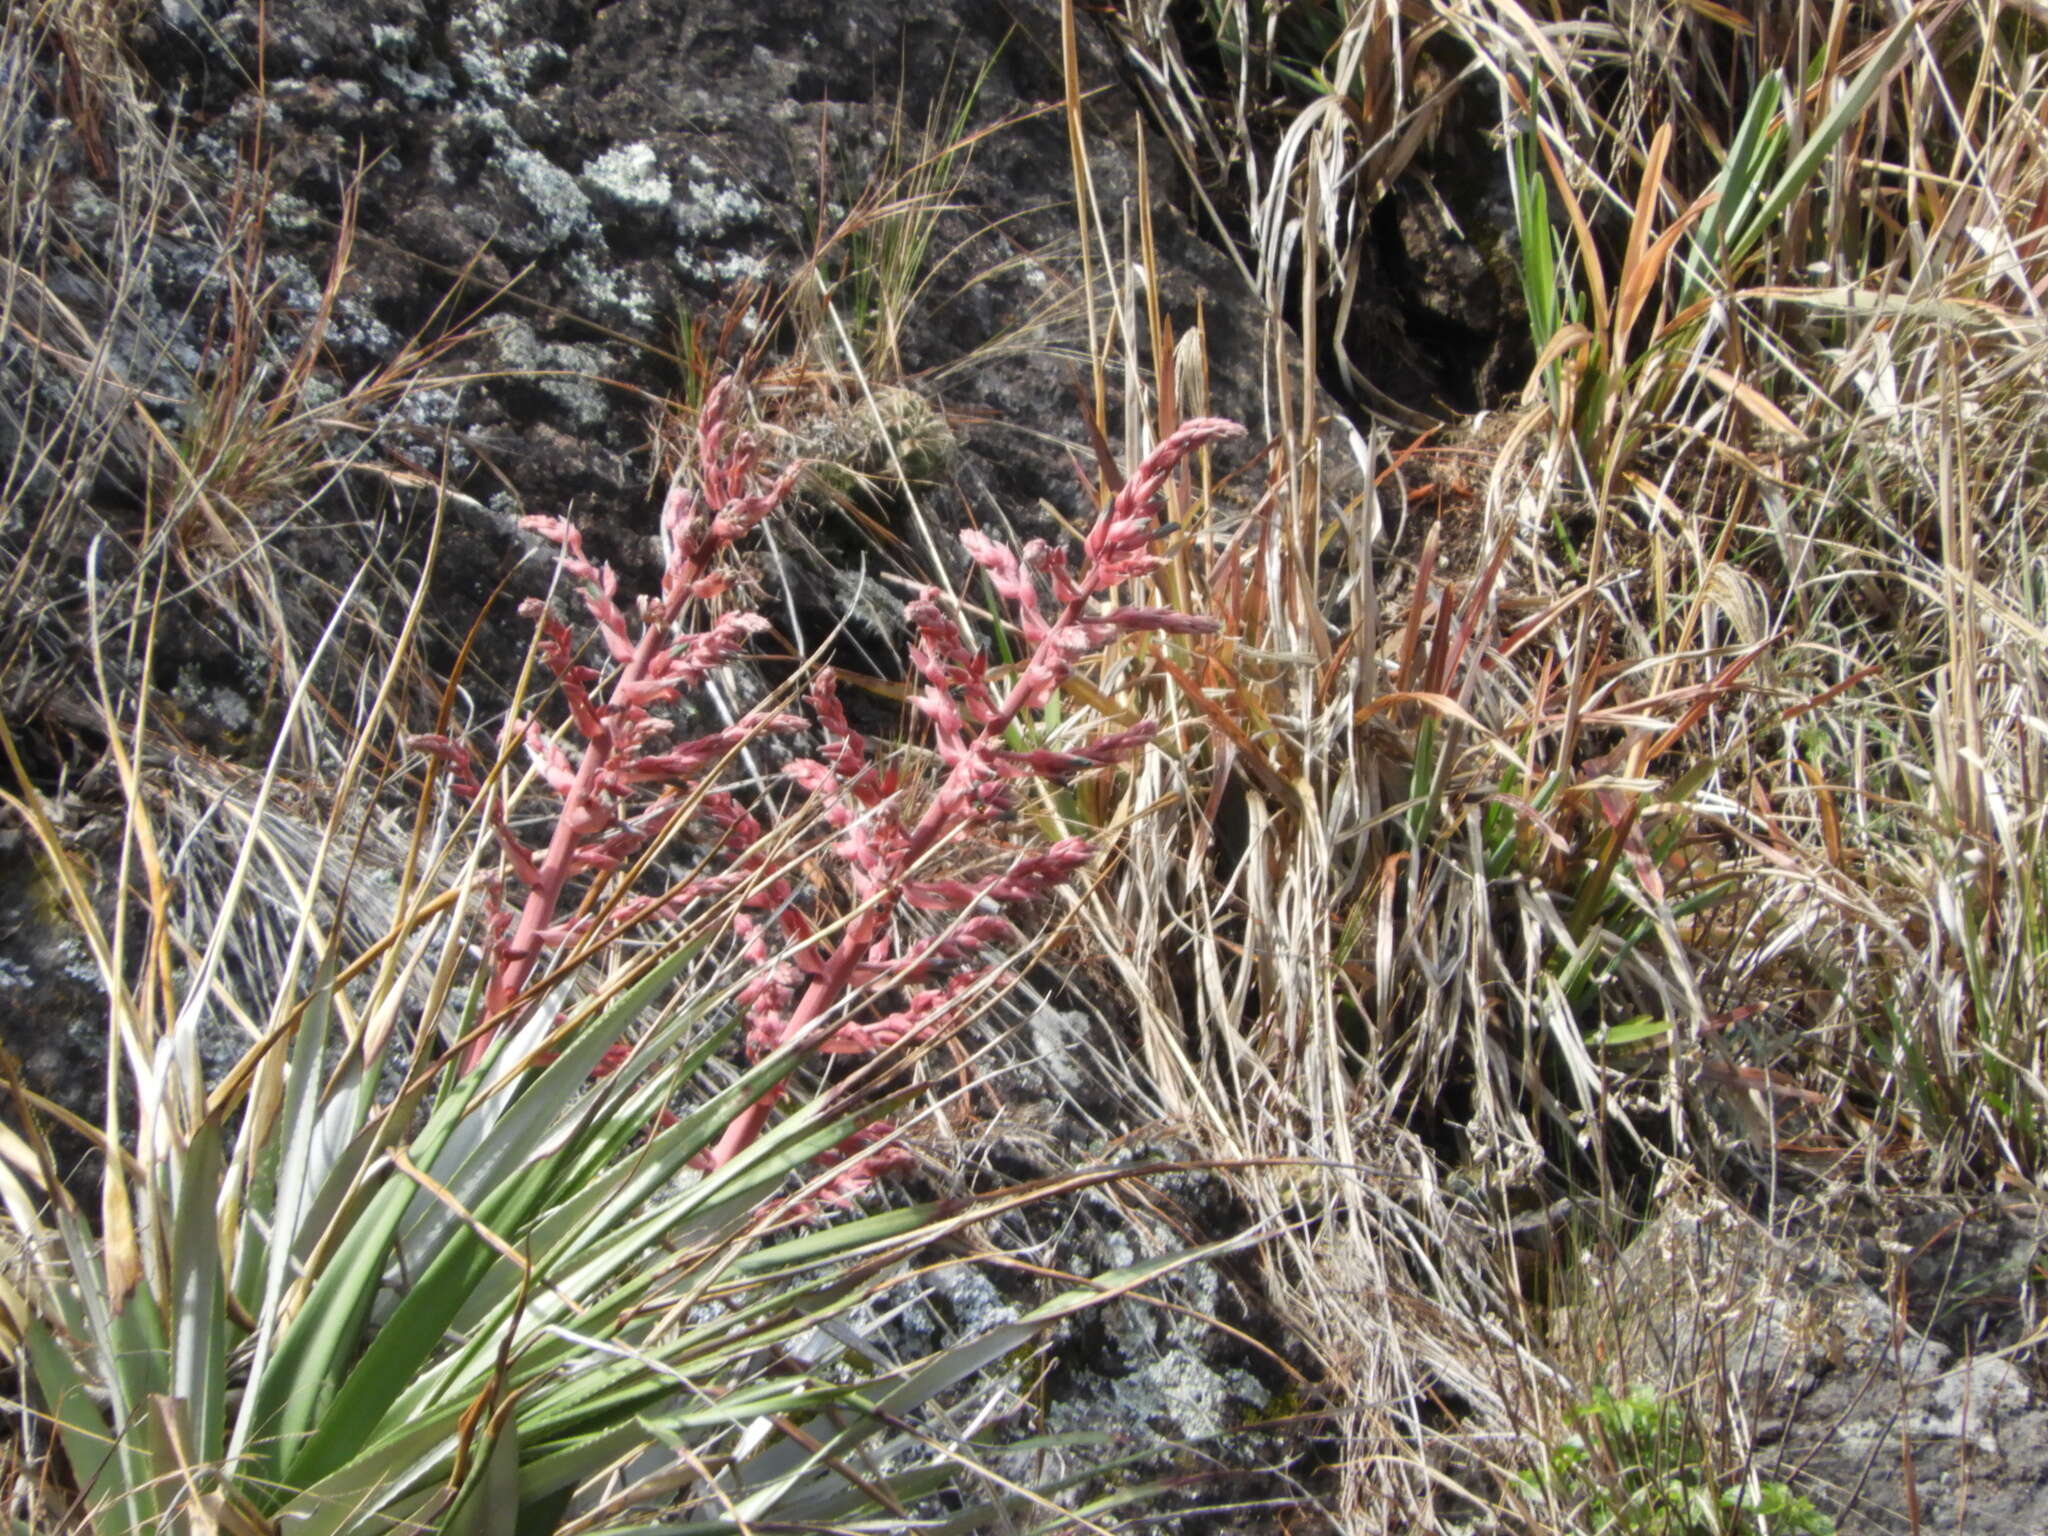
(594, 179)
(1888, 1429)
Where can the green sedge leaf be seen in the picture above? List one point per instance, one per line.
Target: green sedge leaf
(1798, 172)
(490, 1503)
(89, 1443)
(1637, 1031)
(198, 1300)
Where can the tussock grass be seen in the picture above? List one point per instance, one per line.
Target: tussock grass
(1672, 798)
(171, 412)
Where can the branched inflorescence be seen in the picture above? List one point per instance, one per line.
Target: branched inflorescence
(886, 840)
(629, 780)
(870, 980)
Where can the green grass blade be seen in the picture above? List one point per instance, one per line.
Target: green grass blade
(295, 1179)
(539, 1105)
(409, 1338)
(1750, 156)
(490, 1502)
(1819, 144)
(582, 1272)
(1536, 239)
(371, 1484)
(135, 1361)
(293, 1392)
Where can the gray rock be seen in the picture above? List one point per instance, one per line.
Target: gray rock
(1865, 1415)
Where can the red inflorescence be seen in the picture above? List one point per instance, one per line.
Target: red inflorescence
(621, 781)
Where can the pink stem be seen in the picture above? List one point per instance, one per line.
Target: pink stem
(516, 960)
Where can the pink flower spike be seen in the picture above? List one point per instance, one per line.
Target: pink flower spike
(1135, 499)
(558, 531)
(548, 755)
(969, 938)
(845, 746)
(941, 895)
(1104, 750)
(921, 1018)
(691, 757)
(517, 854)
(1037, 873)
(1116, 545)
(746, 513)
(696, 657)
(857, 1170)
(1165, 621)
(455, 755)
(1006, 573)
(1115, 746)
(856, 973)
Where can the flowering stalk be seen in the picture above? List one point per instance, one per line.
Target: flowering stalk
(624, 788)
(884, 852)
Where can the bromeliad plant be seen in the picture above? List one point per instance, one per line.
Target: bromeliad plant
(887, 841)
(624, 791)
(557, 1278)
(486, 1307)
(828, 988)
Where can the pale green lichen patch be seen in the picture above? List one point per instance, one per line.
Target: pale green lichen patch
(549, 190)
(730, 269)
(711, 207)
(630, 174)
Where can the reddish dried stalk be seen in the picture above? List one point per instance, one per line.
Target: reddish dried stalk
(885, 869)
(597, 828)
(620, 793)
